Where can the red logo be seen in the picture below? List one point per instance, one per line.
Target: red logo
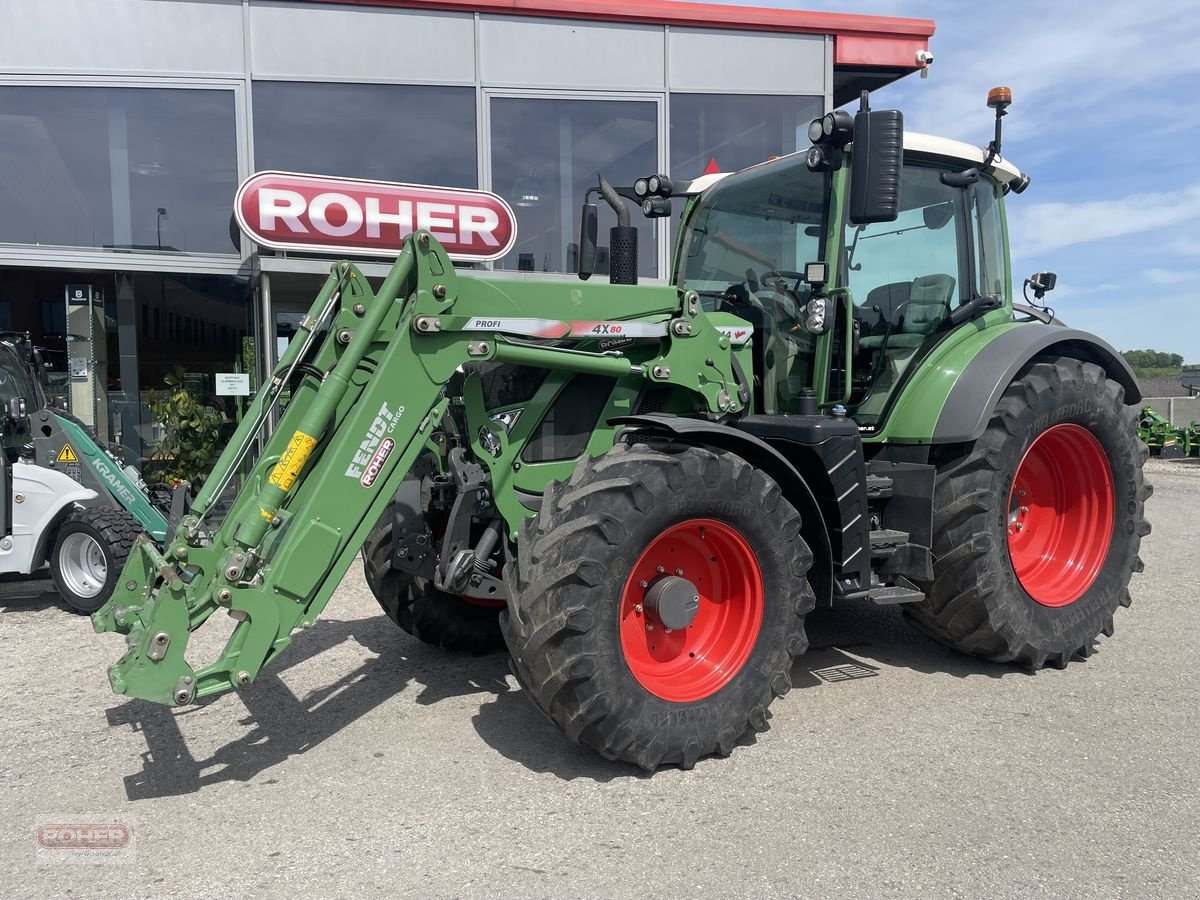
(289, 211)
(105, 836)
(375, 466)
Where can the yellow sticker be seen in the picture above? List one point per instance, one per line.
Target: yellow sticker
(67, 454)
(287, 470)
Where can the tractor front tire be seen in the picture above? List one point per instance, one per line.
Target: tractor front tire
(89, 552)
(657, 602)
(1037, 528)
(430, 615)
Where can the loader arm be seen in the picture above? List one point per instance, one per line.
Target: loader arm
(368, 374)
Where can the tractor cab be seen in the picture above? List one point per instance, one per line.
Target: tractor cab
(19, 398)
(896, 285)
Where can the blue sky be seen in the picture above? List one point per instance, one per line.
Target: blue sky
(1106, 119)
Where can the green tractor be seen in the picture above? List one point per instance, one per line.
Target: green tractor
(643, 490)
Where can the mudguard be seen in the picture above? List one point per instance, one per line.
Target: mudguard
(975, 394)
(762, 455)
(46, 496)
(952, 397)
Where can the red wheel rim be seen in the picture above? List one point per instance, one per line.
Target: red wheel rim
(1060, 515)
(691, 663)
(482, 602)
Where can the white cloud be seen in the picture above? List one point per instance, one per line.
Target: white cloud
(1064, 62)
(1041, 227)
(1169, 276)
(1183, 247)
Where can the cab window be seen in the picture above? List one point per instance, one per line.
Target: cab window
(744, 252)
(990, 260)
(906, 277)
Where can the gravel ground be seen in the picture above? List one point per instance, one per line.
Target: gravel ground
(367, 764)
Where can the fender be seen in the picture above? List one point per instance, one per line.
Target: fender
(762, 455)
(952, 399)
(49, 495)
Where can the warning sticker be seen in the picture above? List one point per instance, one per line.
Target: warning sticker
(287, 470)
(67, 454)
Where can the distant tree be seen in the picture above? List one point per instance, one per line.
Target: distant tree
(1152, 359)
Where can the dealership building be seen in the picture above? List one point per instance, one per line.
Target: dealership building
(126, 127)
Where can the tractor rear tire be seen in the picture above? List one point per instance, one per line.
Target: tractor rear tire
(1037, 529)
(419, 608)
(89, 552)
(619, 552)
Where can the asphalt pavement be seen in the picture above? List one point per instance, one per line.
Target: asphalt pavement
(366, 764)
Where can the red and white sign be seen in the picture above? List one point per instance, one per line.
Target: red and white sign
(317, 213)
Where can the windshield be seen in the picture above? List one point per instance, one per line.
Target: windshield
(14, 380)
(743, 250)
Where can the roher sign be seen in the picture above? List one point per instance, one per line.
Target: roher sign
(318, 213)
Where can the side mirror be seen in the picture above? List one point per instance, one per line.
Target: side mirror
(588, 226)
(937, 216)
(875, 164)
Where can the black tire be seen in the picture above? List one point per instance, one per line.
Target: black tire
(111, 532)
(426, 613)
(977, 603)
(577, 558)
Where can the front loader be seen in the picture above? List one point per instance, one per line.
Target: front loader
(643, 490)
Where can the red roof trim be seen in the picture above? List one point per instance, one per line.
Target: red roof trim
(887, 51)
(695, 15)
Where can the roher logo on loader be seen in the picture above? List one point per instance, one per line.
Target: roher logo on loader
(293, 211)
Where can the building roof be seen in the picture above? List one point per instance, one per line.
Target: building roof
(868, 51)
(1163, 387)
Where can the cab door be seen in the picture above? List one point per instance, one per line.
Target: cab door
(906, 278)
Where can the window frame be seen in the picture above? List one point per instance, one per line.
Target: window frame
(66, 257)
(663, 250)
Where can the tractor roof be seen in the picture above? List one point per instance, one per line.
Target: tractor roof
(914, 142)
(1003, 170)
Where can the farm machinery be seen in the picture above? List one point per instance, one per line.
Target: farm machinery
(66, 502)
(642, 490)
(1166, 440)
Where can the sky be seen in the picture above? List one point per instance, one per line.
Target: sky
(1106, 120)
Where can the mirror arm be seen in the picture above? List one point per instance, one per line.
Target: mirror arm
(613, 198)
(974, 307)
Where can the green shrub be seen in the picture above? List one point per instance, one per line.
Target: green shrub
(191, 434)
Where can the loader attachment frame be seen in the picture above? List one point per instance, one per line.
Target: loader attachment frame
(367, 375)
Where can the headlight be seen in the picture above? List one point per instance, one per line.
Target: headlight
(815, 312)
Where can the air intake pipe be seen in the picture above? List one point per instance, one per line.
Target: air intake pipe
(622, 239)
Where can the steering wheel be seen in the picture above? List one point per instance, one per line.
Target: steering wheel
(766, 278)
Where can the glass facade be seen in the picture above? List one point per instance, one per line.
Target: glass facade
(147, 169)
(123, 141)
(732, 131)
(412, 133)
(547, 152)
(110, 359)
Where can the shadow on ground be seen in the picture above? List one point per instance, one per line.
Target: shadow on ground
(848, 644)
(283, 725)
(852, 642)
(28, 593)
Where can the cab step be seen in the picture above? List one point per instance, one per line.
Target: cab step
(894, 594)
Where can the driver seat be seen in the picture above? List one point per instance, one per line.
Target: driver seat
(928, 304)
